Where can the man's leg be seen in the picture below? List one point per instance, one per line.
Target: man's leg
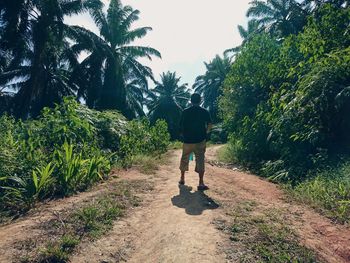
(201, 177)
(200, 162)
(186, 151)
(182, 178)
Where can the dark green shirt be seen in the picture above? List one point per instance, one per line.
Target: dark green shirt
(193, 124)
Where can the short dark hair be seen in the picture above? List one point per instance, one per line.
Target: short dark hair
(196, 98)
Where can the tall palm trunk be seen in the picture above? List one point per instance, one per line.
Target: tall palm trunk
(29, 99)
(113, 94)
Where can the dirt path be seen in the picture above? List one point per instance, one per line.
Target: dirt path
(174, 225)
(178, 224)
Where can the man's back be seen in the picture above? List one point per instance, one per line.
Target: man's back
(193, 125)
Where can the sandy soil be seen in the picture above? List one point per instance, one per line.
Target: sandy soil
(175, 224)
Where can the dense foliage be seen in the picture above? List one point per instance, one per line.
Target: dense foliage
(67, 149)
(55, 146)
(285, 102)
(286, 99)
(143, 138)
(41, 57)
(328, 191)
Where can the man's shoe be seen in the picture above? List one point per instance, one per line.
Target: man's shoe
(202, 187)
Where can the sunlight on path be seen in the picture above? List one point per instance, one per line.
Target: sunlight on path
(179, 223)
(174, 224)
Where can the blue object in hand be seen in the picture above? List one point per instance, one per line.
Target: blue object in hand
(191, 156)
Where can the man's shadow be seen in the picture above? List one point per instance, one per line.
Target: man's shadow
(194, 203)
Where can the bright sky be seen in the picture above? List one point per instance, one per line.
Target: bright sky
(186, 32)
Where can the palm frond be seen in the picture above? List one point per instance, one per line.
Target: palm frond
(137, 33)
(259, 9)
(139, 51)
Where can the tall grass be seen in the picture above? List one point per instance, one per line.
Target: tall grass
(66, 150)
(225, 154)
(328, 191)
(21, 193)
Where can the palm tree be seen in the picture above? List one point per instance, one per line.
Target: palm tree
(167, 100)
(41, 66)
(116, 60)
(209, 84)
(246, 34)
(316, 4)
(136, 90)
(280, 17)
(14, 28)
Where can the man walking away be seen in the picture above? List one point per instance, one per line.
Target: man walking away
(195, 124)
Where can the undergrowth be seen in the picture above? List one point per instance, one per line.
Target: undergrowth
(87, 222)
(225, 154)
(264, 237)
(328, 191)
(148, 164)
(66, 150)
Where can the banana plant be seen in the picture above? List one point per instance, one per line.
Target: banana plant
(23, 193)
(70, 166)
(42, 179)
(96, 168)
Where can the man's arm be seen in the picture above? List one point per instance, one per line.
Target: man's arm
(209, 127)
(181, 125)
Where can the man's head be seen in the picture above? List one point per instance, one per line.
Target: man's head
(196, 99)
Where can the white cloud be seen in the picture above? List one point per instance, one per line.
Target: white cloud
(186, 32)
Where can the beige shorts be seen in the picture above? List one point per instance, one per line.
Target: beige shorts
(199, 151)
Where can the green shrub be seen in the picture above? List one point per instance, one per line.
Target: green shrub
(9, 154)
(74, 148)
(225, 154)
(22, 193)
(142, 138)
(286, 102)
(98, 217)
(174, 145)
(70, 174)
(329, 191)
(64, 124)
(54, 253)
(159, 137)
(109, 126)
(68, 149)
(75, 173)
(275, 171)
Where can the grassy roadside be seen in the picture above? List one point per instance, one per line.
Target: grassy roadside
(262, 235)
(224, 155)
(146, 164)
(90, 220)
(149, 164)
(66, 150)
(86, 222)
(327, 191)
